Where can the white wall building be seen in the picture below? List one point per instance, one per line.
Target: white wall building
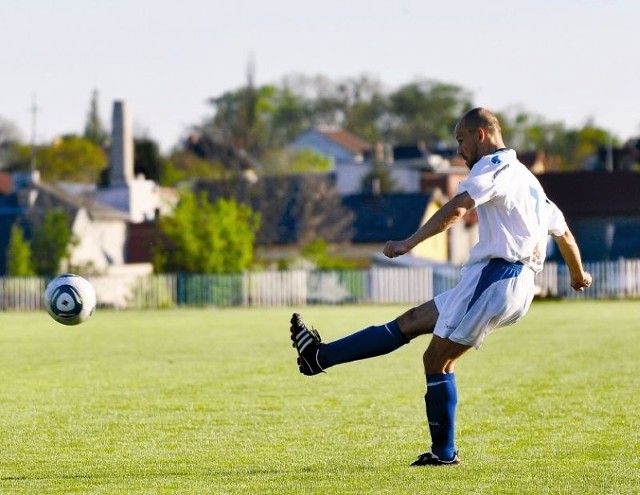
(136, 196)
(337, 144)
(349, 177)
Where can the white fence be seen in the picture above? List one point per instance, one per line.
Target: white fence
(616, 279)
(611, 280)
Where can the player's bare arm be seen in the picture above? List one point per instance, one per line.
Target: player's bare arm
(580, 279)
(450, 213)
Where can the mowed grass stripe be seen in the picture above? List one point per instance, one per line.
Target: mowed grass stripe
(210, 401)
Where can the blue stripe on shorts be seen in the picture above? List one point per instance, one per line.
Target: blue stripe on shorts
(496, 269)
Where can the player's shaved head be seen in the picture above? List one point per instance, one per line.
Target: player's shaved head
(478, 133)
(481, 118)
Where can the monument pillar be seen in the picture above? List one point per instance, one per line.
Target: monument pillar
(121, 155)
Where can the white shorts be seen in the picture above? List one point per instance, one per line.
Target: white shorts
(489, 295)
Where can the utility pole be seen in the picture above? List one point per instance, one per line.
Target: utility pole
(34, 114)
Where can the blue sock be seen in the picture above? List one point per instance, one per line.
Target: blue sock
(370, 342)
(441, 399)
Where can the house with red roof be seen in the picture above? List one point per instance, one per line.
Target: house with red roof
(337, 144)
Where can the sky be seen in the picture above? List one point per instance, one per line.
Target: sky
(563, 60)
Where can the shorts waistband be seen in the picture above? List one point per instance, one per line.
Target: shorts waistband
(502, 261)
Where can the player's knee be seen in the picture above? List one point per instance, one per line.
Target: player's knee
(433, 362)
(415, 322)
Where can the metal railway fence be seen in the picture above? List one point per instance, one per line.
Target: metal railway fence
(376, 285)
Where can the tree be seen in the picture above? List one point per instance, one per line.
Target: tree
(427, 111)
(318, 212)
(94, 130)
(369, 119)
(318, 252)
(51, 243)
(242, 118)
(378, 180)
(522, 130)
(287, 161)
(18, 254)
(263, 120)
(358, 104)
(18, 158)
(583, 146)
(147, 159)
(568, 148)
(205, 237)
(188, 165)
(291, 116)
(71, 159)
(260, 119)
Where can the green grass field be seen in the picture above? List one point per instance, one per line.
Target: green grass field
(203, 401)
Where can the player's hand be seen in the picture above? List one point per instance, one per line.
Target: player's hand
(393, 249)
(581, 283)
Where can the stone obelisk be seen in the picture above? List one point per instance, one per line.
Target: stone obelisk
(121, 166)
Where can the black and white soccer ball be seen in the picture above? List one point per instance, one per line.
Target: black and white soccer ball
(70, 299)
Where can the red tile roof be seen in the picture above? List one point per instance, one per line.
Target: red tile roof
(346, 140)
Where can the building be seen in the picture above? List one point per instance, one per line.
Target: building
(384, 217)
(602, 209)
(98, 217)
(137, 197)
(336, 144)
(99, 229)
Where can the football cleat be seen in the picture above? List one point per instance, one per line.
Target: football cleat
(307, 343)
(430, 459)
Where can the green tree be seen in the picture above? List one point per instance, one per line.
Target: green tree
(582, 146)
(18, 254)
(185, 165)
(242, 119)
(567, 148)
(358, 104)
(147, 159)
(71, 159)
(18, 158)
(378, 180)
(427, 111)
(369, 119)
(290, 117)
(259, 119)
(205, 237)
(262, 120)
(51, 243)
(94, 130)
(318, 252)
(522, 130)
(287, 161)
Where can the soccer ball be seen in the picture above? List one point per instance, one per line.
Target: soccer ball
(70, 299)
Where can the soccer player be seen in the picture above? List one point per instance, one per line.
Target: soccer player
(496, 286)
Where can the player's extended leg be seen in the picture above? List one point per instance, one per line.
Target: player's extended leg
(314, 356)
(441, 400)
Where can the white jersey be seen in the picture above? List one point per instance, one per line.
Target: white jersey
(515, 217)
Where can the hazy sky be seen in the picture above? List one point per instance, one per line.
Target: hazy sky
(564, 60)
